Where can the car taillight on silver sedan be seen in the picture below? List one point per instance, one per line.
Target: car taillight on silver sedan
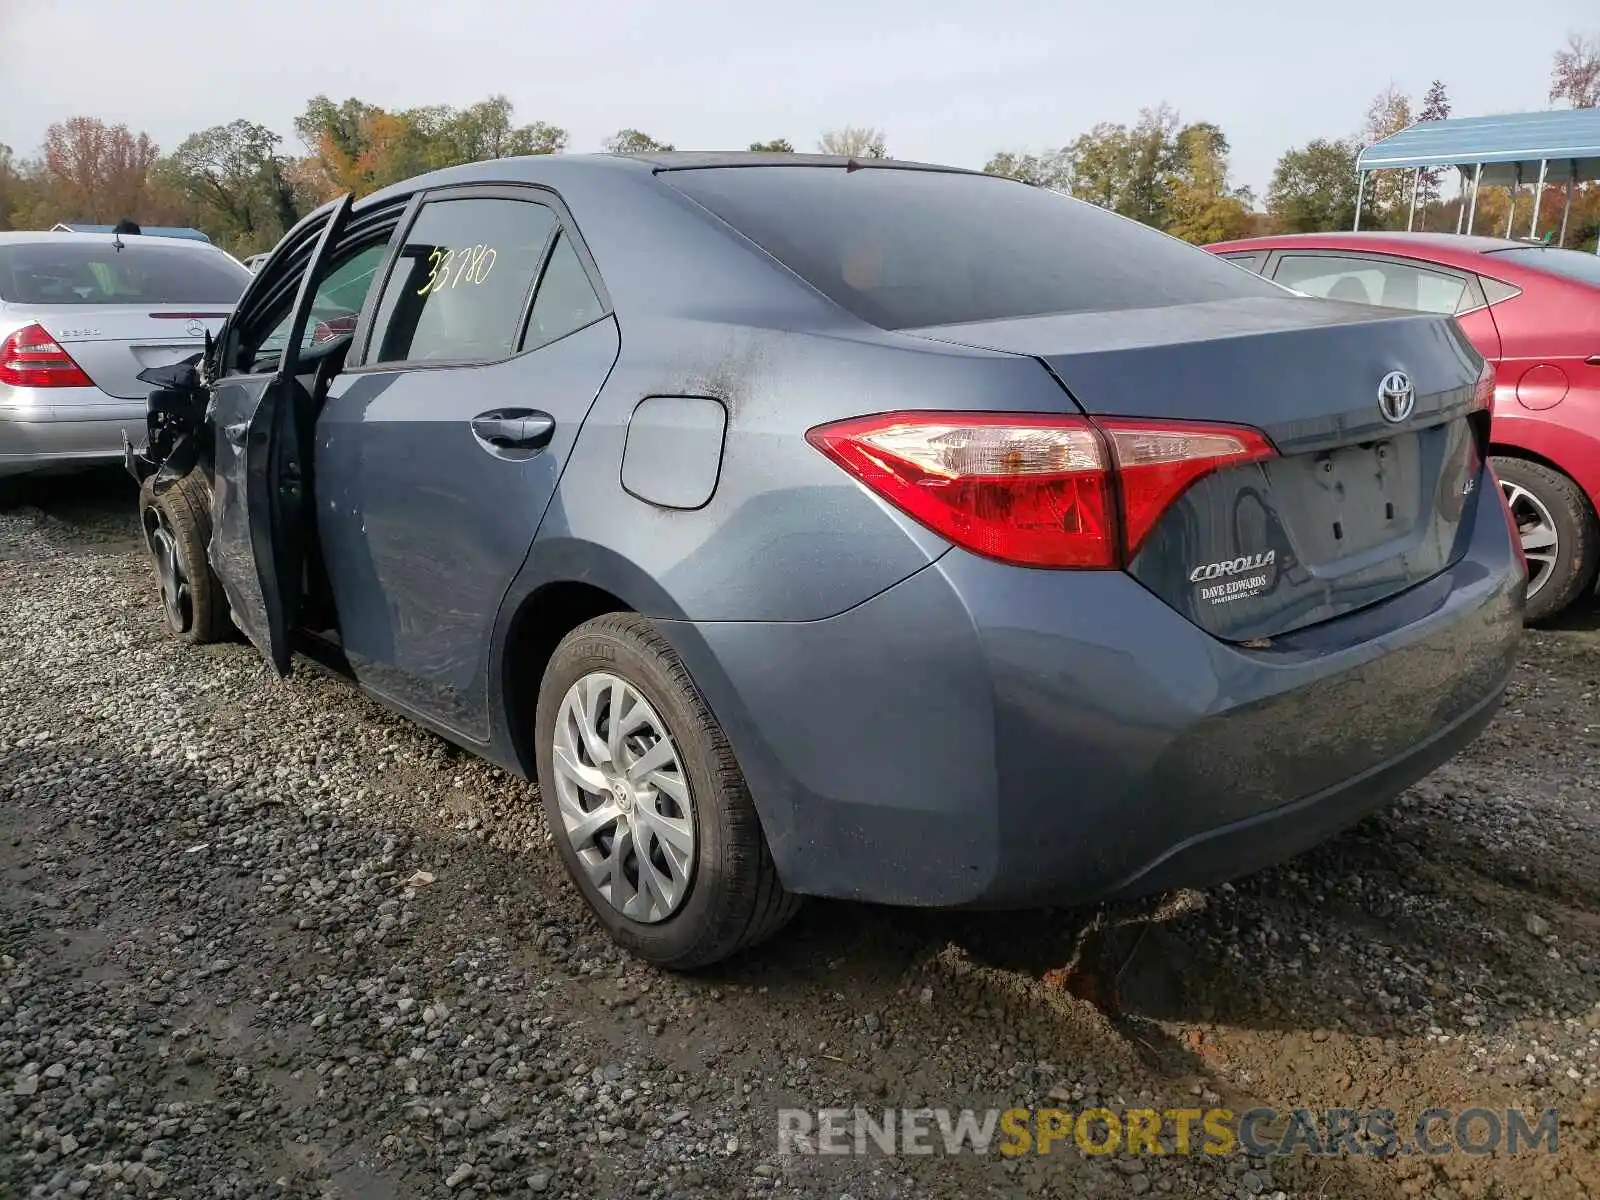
(1033, 490)
(31, 358)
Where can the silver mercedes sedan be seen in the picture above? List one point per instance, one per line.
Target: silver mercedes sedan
(81, 314)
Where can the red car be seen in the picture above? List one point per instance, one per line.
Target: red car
(1533, 311)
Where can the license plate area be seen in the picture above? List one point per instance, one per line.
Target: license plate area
(1352, 499)
(163, 355)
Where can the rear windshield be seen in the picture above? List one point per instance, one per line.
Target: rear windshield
(1574, 264)
(64, 272)
(907, 248)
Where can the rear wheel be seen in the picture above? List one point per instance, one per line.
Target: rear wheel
(1559, 535)
(647, 803)
(177, 528)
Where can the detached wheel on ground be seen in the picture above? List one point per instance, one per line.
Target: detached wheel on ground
(1559, 535)
(177, 528)
(646, 802)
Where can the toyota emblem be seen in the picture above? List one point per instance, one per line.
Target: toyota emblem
(1396, 397)
(197, 329)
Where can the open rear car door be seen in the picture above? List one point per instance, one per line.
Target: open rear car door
(261, 421)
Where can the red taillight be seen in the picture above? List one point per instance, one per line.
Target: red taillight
(1039, 491)
(1158, 460)
(1483, 392)
(31, 358)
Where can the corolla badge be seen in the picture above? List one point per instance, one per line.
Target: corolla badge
(1396, 397)
(1233, 566)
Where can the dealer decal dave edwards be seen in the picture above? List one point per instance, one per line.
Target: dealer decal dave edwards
(1236, 578)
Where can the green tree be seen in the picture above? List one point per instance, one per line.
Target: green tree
(1200, 206)
(448, 136)
(853, 142)
(631, 141)
(1127, 170)
(234, 180)
(1050, 169)
(1314, 187)
(776, 146)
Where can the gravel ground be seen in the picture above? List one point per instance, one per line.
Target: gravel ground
(262, 938)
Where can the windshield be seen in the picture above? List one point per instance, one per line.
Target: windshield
(61, 271)
(906, 248)
(1572, 264)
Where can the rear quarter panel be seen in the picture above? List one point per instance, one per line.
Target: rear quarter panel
(786, 535)
(1547, 395)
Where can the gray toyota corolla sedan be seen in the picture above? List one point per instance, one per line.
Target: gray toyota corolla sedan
(869, 530)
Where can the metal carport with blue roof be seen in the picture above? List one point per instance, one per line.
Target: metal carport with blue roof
(1539, 148)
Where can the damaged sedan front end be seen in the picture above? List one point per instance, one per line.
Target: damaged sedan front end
(174, 423)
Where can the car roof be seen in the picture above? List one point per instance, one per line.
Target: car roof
(552, 169)
(691, 160)
(32, 237)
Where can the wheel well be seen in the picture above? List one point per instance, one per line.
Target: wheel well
(545, 617)
(1496, 448)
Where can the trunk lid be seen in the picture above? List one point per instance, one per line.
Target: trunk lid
(1356, 508)
(113, 343)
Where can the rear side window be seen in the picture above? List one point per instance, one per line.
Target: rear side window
(459, 289)
(1250, 260)
(62, 271)
(1496, 291)
(566, 299)
(906, 248)
(1372, 281)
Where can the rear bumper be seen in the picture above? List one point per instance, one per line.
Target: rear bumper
(42, 439)
(986, 735)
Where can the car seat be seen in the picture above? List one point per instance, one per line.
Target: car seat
(1351, 290)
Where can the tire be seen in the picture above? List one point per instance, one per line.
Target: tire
(176, 523)
(729, 897)
(1544, 501)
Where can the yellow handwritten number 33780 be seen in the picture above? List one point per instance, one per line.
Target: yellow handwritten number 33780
(452, 268)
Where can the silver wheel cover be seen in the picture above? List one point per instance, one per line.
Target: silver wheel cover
(624, 799)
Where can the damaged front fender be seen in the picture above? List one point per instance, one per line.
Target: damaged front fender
(174, 420)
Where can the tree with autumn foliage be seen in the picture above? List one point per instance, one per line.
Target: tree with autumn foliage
(1159, 171)
(1575, 72)
(1388, 193)
(1201, 206)
(1435, 107)
(101, 173)
(357, 147)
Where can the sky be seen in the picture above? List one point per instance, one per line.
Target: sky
(947, 81)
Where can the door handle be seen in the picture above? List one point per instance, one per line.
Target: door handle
(514, 429)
